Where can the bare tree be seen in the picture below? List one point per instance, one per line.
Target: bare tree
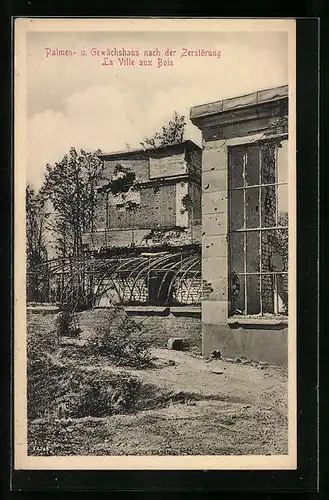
(36, 246)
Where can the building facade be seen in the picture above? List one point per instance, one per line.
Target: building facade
(245, 224)
(148, 229)
(158, 190)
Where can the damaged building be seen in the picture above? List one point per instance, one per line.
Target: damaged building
(245, 224)
(196, 239)
(203, 234)
(148, 230)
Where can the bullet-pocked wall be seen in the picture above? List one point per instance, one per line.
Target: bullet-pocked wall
(166, 178)
(245, 225)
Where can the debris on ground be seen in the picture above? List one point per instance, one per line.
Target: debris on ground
(177, 344)
(216, 354)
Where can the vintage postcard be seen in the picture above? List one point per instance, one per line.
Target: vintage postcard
(155, 218)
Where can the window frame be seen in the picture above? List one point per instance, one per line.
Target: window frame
(276, 140)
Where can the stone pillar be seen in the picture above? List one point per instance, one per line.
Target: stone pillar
(214, 236)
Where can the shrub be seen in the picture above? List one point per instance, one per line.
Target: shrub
(101, 397)
(67, 324)
(121, 340)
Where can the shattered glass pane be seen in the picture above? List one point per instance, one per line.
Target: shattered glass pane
(252, 166)
(237, 217)
(282, 159)
(275, 250)
(268, 175)
(267, 293)
(253, 295)
(259, 251)
(282, 293)
(237, 255)
(252, 208)
(283, 205)
(237, 296)
(236, 167)
(253, 257)
(268, 206)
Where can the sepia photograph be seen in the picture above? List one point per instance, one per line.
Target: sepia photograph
(155, 244)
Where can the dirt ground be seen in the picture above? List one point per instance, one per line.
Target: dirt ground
(217, 408)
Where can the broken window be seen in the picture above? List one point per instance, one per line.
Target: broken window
(258, 193)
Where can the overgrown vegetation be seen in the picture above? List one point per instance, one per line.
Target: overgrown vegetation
(187, 202)
(121, 340)
(63, 384)
(61, 387)
(56, 390)
(78, 405)
(171, 133)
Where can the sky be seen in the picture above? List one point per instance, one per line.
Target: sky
(77, 101)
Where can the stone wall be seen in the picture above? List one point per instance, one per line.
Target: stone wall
(157, 208)
(259, 343)
(161, 327)
(158, 326)
(163, 177)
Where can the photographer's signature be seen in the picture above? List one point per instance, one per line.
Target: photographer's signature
(42, 449)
